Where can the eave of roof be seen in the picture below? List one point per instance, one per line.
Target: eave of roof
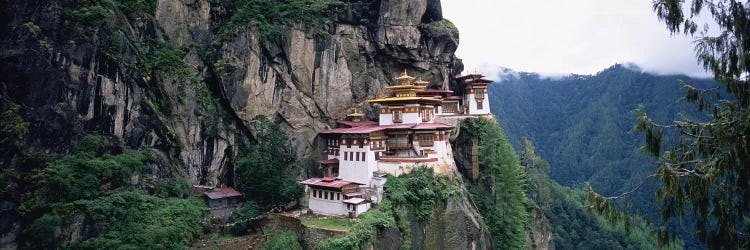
(355, 201)
(220, 193)
(405, 99)
(336, 184)
(329, 161)
(357, 124)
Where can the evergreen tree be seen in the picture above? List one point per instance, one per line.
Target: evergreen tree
(498, 192)
(706, 168)
(262, 174)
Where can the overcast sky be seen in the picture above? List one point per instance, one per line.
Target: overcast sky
(567, 36)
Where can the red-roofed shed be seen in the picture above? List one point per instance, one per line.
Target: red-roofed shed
(223, 201)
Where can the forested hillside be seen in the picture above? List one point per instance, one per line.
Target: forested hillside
(513, 188)
(582, 124)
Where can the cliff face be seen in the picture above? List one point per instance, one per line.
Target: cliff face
(64, 81)
(66, 85)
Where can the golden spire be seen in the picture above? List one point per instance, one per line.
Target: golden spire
(419, 82)
(404, 78)
(356, 116)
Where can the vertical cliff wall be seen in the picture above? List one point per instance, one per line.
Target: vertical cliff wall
(67, 83)
(68, 70)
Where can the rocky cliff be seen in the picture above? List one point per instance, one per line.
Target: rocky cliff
(67, 83)
(167, 76)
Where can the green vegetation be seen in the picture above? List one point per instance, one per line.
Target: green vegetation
(94, 192)
(262, 173)
(334, 223)
(165, 59)
(572, 226)
(705, 170)
(32, 28)
(108, 23)
(416, 193)
(12, 124)
(581, 125)
(442, 26)
(362, 232)
(271, 18)
(245, 216)
(283, 241)
(419, 191)
(498, 192)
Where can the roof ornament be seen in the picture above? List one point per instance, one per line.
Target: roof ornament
(356, 116)
(405, 79)
(419, 82)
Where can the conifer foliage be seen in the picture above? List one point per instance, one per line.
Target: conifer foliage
(262, 173)
(706, 168)
(498, 192)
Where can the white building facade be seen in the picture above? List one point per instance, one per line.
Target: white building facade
(361, 153)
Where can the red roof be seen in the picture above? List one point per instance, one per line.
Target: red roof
(329, 161)
(370, 129)
(476, 81)
(400, 126)
(321, 182)
(472, 75)
(354, 130)
(429, 126)
(352, 124)
(220, 193)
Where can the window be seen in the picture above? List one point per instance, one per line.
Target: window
(363, 156)
(315, 193)
(480, 104)
(346, 158)
(397, 116)
(426, 115)
(351, 156)
(426, 140)
(357, 156)
(325, 194)
(479, 92)
(450, 107)
(338, 196)
(401, 142)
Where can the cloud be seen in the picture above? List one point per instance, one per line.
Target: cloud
(572, 36)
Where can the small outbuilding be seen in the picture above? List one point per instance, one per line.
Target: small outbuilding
(222, 202)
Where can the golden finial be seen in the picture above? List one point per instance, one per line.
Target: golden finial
(356, 116)
(404, 78)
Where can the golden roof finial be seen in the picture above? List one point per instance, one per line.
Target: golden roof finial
(404, 78)
(356, 113)
(421, 83)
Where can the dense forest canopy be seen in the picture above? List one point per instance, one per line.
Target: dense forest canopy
(582, 125)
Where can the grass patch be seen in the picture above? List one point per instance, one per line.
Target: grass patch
(332, 223)
(283, 241)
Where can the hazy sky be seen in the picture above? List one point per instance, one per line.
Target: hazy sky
(567, 36)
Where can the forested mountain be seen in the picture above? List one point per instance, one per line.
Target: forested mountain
(582, 124)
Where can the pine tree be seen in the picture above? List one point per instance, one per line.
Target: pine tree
(706, 169)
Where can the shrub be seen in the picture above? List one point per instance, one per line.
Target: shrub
(284, 241)
(244, 217)
(263, 172)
